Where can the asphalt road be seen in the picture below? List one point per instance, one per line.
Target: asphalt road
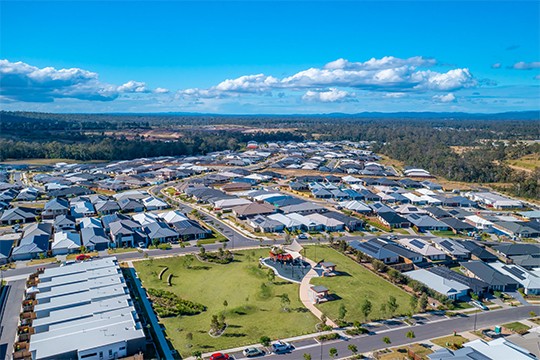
(9, 316)
(428, 331)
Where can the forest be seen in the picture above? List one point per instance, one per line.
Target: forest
(429, 142)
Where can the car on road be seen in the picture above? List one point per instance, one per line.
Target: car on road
(142, 245)
(303, 236)
(281, 347)
(252, 352)
(479, 305)
(220, 356)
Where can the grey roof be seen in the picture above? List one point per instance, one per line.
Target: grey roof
(63, 220)
(457, 225)
(158, 230)
(425, 221)
(189, 227)
(18, 213)
(477, 286)
(486, 273)
(94, 236)
(57, 204)
(518, 249)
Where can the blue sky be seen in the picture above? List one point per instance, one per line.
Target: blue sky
(269, 57)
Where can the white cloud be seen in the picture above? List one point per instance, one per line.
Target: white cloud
(448, 98)
(388, 74)
(395, 95)
(248, 83)
(133, 87)
(328, 96)
(387, 62)
(27, 83)
(526, 66)
(161, 90)
(496, 66)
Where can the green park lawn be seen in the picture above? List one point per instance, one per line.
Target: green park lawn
(353, 285)
(250, 313)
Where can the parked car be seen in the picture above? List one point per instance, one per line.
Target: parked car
(281, 347)
(303, 236)
(253, 351)
(142, 245)
(479, 305)
(220, 356)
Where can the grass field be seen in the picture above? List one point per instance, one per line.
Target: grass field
(250, 312)
(355, 284)
(527, 162)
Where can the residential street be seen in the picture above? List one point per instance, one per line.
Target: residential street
(431, 330)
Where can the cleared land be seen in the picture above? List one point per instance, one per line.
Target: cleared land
(250, 312)
(354, 284)
(526, 163)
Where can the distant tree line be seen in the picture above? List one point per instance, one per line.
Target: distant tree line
(422, 142)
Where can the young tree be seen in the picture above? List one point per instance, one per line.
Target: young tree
(392, 305)
(323, 319)
(333, 352)
(423, 302)
(271, 275)
(197, 354)
(342, 311)
(265, 341)
(287, 238)
(189, 338)
(383, 310)
(386, 340)
(413, 302)
(353, 348)
(225, 303)
(410, 334)
(378, 265)
(366, 308)
(285, 302)
(307, 356)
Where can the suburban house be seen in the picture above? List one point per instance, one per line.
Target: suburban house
(426, 223)
(6, 244)
(424, 248)
(161, 232)
(65, 242)
(106, 207)
(122, 234)
(64, 223)
(129, 205)
(188, 229)
(18, 215)
(264, 224)
(450, 288)
(55, 207)
(253, 209)
(329, 223)
(478, 252)
(482, 271)
(457, 226)
(289, 223)
(393, 220)
(477, 286)
(94, 238)
(452, 248)
(82, 208)
(375, 248)
(529, 280)
(35, 241)
(152, 203)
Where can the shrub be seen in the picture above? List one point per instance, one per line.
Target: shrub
(167, 304)
(328, 337)
(357, 331)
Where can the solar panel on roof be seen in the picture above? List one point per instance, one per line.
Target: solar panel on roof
(515, 271)
(418, 244)
(447, 244)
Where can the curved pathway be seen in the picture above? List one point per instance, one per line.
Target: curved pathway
(304, 293)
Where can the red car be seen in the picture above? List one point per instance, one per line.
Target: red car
(219, 356)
